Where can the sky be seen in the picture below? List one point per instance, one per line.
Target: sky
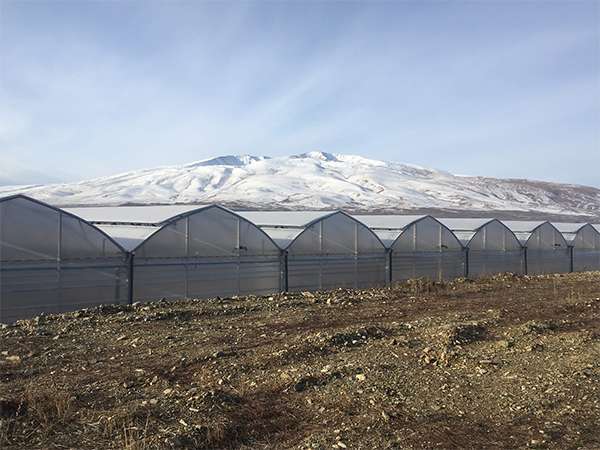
(496, 88)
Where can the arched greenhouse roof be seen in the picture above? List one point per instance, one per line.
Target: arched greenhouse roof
(134, 226)
(524, 230)
(571, 231)
(466, 229)
(68, 230)
(390, 228)
(286, 227)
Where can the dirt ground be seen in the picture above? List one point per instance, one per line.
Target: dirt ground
(505, 362)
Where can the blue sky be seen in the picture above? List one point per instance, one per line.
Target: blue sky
(507, 88)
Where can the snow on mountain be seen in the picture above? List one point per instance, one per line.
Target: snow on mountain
(318, 180)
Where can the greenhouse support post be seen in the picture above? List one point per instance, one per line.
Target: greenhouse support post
(130, 286)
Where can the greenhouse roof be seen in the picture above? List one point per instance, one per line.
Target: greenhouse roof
(154, 214)
(387, 222)
(129, 236)
(523, 226)
(283, 219)
(565, 227)
(465, 228)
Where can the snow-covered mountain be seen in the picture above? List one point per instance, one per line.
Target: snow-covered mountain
(319, 180)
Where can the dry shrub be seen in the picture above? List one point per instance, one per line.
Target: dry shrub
(48, 407)
(258, 418)
(420, 286)
(127, 421)
(136, 438)
(573, 298)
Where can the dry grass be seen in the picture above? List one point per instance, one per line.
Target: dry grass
(136, 438)
(503, 362)
(49, 408)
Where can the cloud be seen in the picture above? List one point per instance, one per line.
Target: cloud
(97, 88)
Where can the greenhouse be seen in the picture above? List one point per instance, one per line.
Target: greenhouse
(584, 241)
(491, 246)
(546, 250)
(191, 251)
(420, 246)
(324, 250)
(52, 261)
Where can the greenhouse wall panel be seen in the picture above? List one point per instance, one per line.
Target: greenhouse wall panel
(489, 262)
(339, 272)
(202, 253)
(434, 265)
(86, 285)
(335, 251)
(547, 251)
(373, 270)
(304, 274)
(27, 290)
(205, 279)
(53, 262)
(492, 247)
(585, 260)
(426, 248)
(540, 262)
(260, 277)
(158, 280)
(585, 243)
(331, 272)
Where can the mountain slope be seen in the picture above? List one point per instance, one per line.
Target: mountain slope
(320, 180)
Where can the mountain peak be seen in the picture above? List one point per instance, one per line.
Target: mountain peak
(319, 180)
(322, 156)
(228, 160)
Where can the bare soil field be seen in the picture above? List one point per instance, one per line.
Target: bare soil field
(504, 362)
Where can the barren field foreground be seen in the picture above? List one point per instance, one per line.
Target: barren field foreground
(505, 362)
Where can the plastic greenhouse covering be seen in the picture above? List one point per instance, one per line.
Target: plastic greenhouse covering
(584, 240)
(420, 246)
(492, 247)
(325, 250)
(53, 262)
(546, 248)
(201, 251)
(56, 260)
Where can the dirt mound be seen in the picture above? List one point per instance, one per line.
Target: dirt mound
(463, 334)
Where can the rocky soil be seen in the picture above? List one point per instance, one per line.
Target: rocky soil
(505, 362)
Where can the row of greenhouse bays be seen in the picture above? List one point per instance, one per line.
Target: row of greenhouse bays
(53, 261)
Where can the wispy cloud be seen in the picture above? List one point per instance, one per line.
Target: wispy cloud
(99, 87)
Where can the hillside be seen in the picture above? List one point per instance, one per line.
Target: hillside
(320, 180)
(505, 362)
